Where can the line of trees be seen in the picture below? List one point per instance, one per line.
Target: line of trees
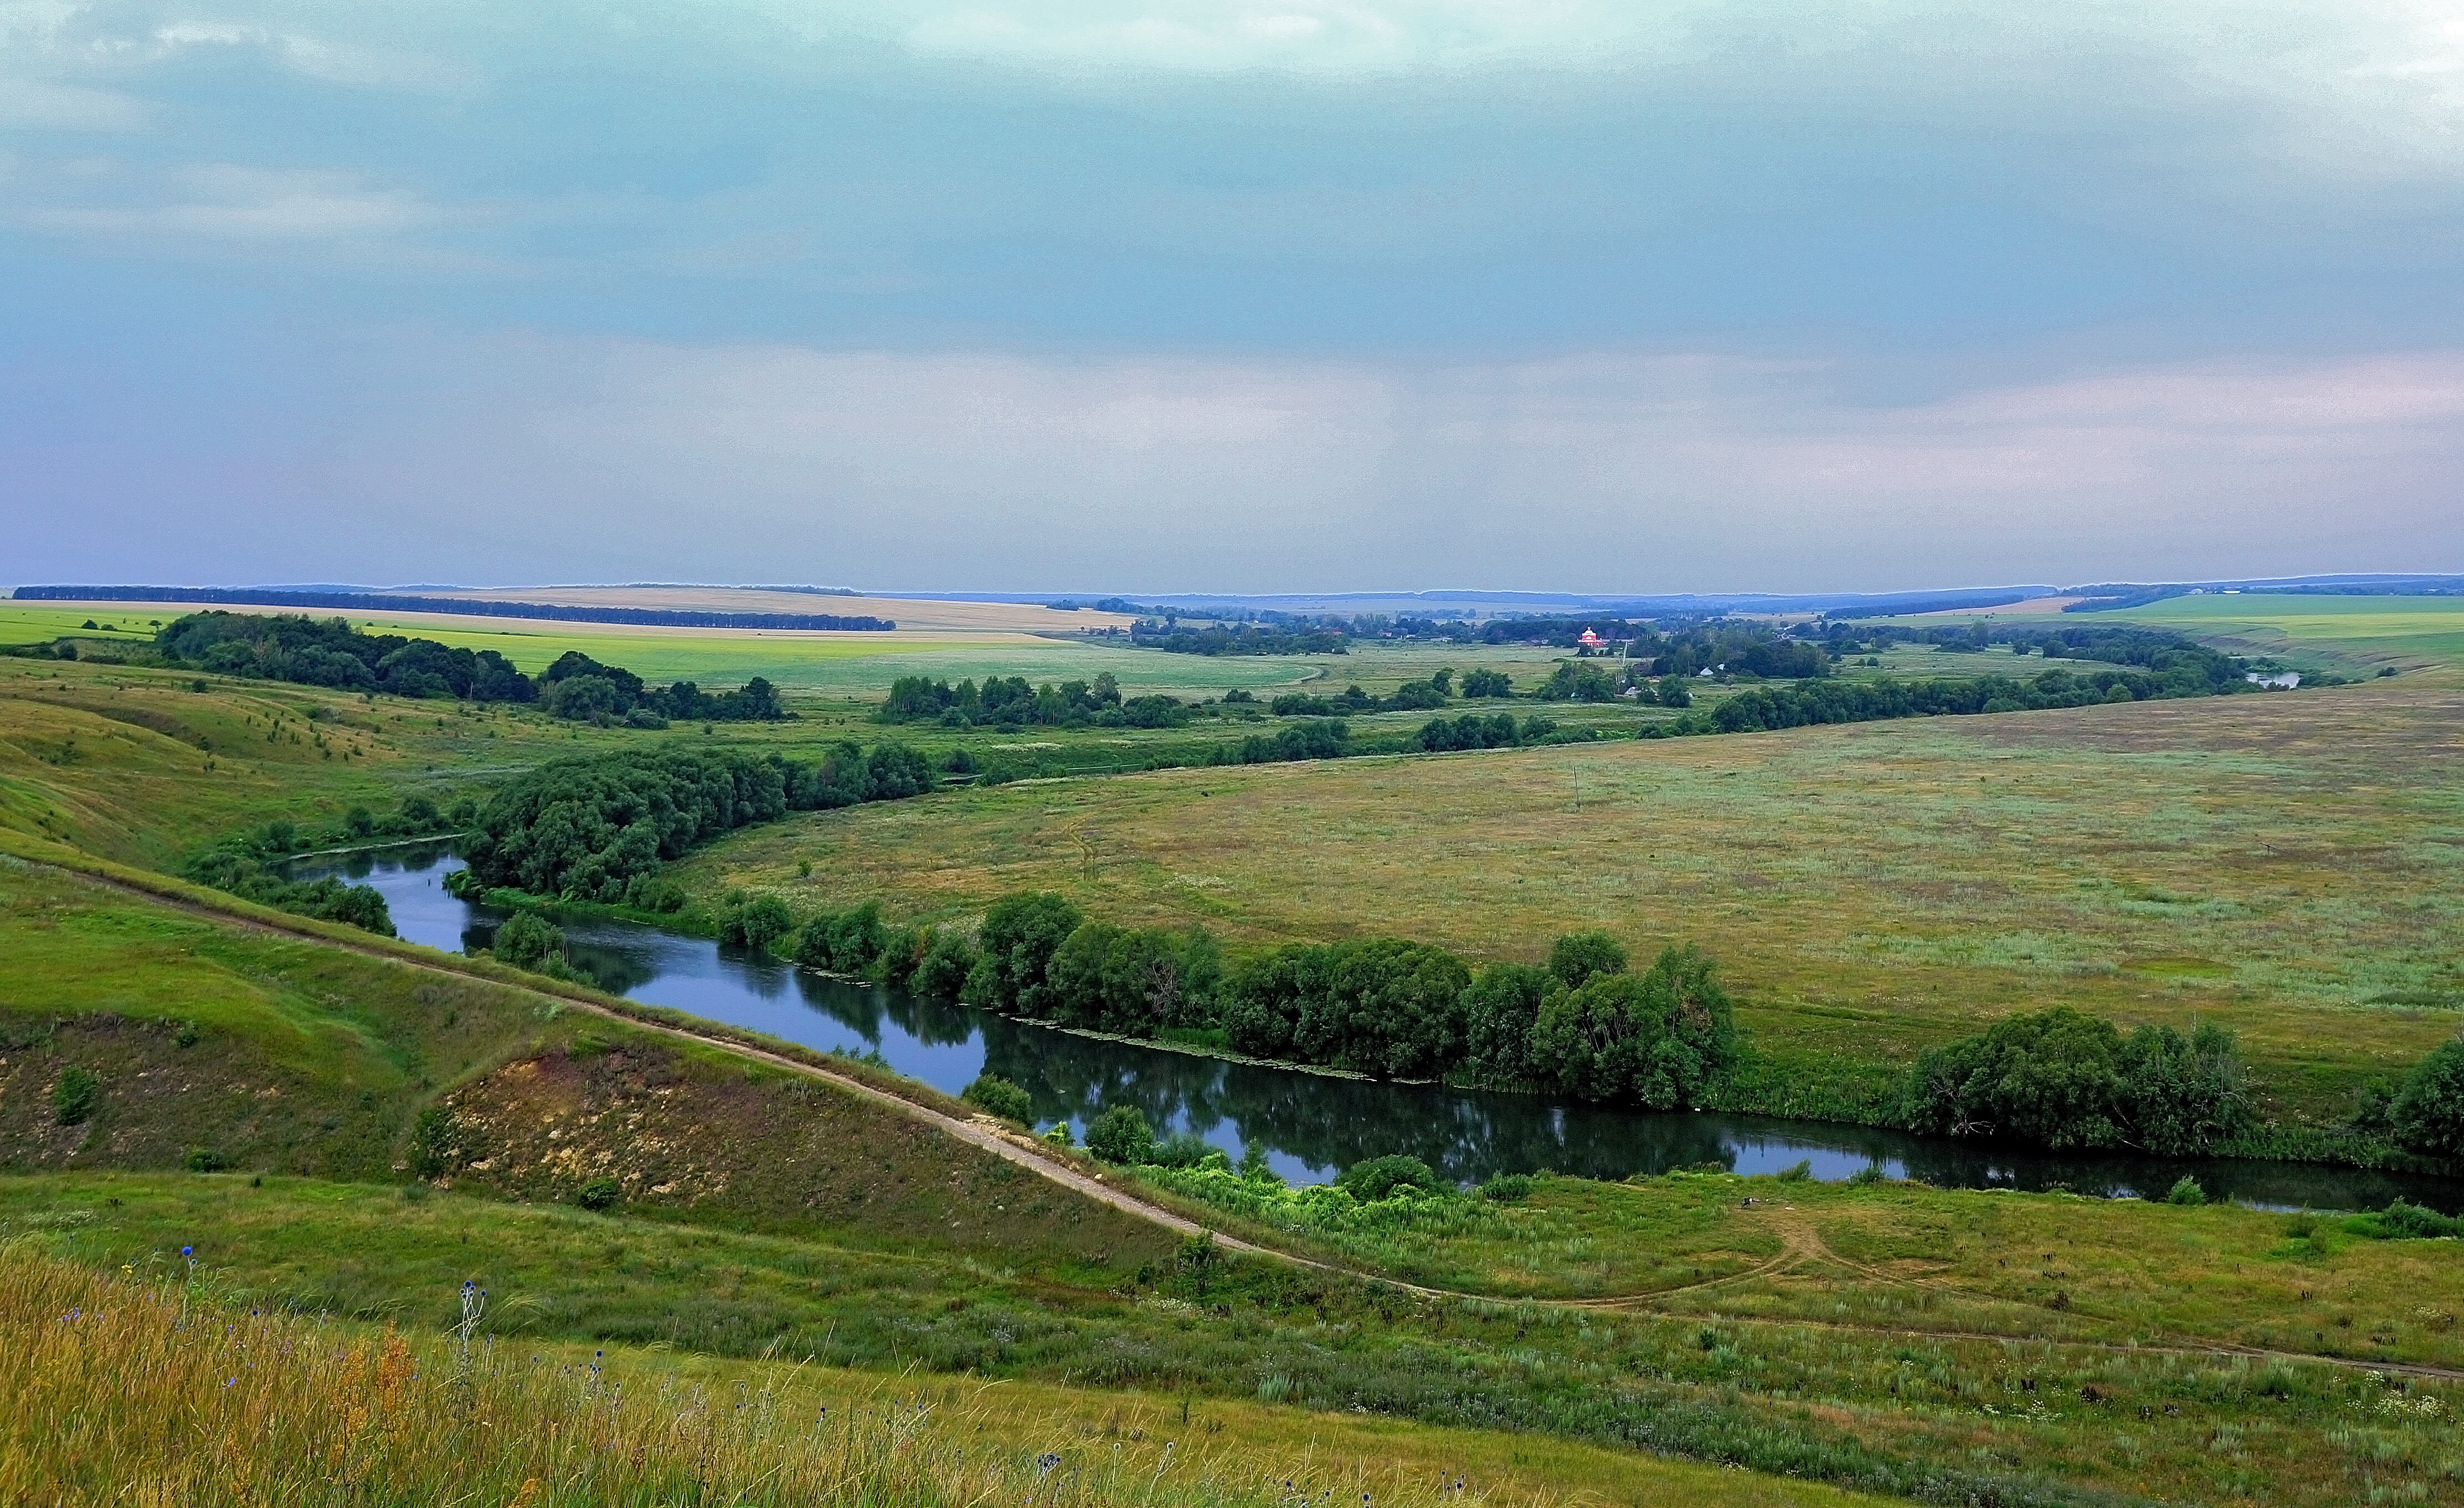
(2062, 1079)
(1761, 707)
(329, 652)
(1010, 702)
(1243, 639)
(598, 829)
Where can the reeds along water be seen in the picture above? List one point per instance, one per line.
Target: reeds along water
(131, 1388)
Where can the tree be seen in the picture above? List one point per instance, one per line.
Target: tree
(1499, 1012)
(1016, 944)
(2429, 1112)
(757, 923)
(1121, 1135)
(527, 940)
(1577, 956)
(1657, 1039)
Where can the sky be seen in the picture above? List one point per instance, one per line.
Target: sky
(1083, 297)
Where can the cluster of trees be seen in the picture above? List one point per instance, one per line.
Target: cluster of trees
(598, 829)
(1243, 639)
(250, 866)
(1584, 1026)
(1758, 708)
(580, 688)
(1472, 731)
(1010, 702)
(330, 652)
(2426, 1113)
(1411, 696)
(1312, 738)
(2066, 1080)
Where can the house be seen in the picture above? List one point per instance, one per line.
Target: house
(1590, 639)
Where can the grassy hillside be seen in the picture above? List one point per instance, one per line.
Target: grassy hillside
(2340, 633)
(2286, 864)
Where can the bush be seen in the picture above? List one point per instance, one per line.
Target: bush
(996, 1096)
(206, 1160)
(73, 1094)
(2185, 1189)
(943, 971)
(432, 1150)
(1180, 1150)
(2429, 1113)
(843, 941)
(1798, 1171)
(1015, 948)
(527, 940)
(2063, 1079)
(1121, 1135)
(599, 1193)
(1657, 1039)
(2401, 1221)
(1134, 980)
(1507, 1189)
(756, 923)
(1384, 1177)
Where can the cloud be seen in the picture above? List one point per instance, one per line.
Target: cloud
(1615, 470)
(221, 202)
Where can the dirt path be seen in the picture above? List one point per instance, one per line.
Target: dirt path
(1801, 1245)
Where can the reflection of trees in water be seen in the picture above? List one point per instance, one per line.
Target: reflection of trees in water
(618, 971)
(864, 1009)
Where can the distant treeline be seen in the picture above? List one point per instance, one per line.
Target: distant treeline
(1760, 708)
(468, 606)
(329, 652)
(1245, 639)
(598, 829)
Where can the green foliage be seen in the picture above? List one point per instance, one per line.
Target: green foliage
(1575, 957)
(1134, 980)
(1015, 948)
(284, 646)
(597, 828)
(996, 1096)
(598, 1194)
(846, 942)
(239, 872)
(1381, 1177)
(206, 1160)
(2427, 1115)
(527, 940)
(1657, 1038)
(1797, 1172)
(1500, 1009)
(1380, 1006)
(1507, 1189)
(73, 1094)
(1870, 1173)
(1121, 1135)
(433, 1152)
(941, 973)
(2185, 1191)
(2063, 1079)
(2402, 1221)
(764, 919)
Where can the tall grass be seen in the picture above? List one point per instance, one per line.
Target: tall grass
(114, 1390)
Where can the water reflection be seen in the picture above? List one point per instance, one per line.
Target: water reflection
(1310, 1126)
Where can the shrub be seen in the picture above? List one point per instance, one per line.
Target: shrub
(599, 1193)
(2402, 1221)
(1657, 1039)
(2063, 1079)
(2185, 1189)
(206, 1160)
(943, 971)
(432, 1150)
(996, 1096)
(1016, 944)
(1798, 1171)
(1384, 1177)
(72, 1095)
(843, 941)
(1121, 1135)
(1870, 1173)
(2429, 1113)
(756, 923)
(527, 940)
(1507, 1189)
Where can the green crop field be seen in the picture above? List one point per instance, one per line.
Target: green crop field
(2351, 633)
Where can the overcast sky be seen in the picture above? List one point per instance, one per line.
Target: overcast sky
(1077, 295)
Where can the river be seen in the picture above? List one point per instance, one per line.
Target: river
(1312, 1125)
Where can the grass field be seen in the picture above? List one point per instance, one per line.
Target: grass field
(2349, 633)
(2291, 866)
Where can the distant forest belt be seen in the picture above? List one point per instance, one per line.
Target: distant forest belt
(469, 606)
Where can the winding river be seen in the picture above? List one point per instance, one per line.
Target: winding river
(1311, 1125)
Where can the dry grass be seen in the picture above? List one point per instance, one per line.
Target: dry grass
(132, 1388)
